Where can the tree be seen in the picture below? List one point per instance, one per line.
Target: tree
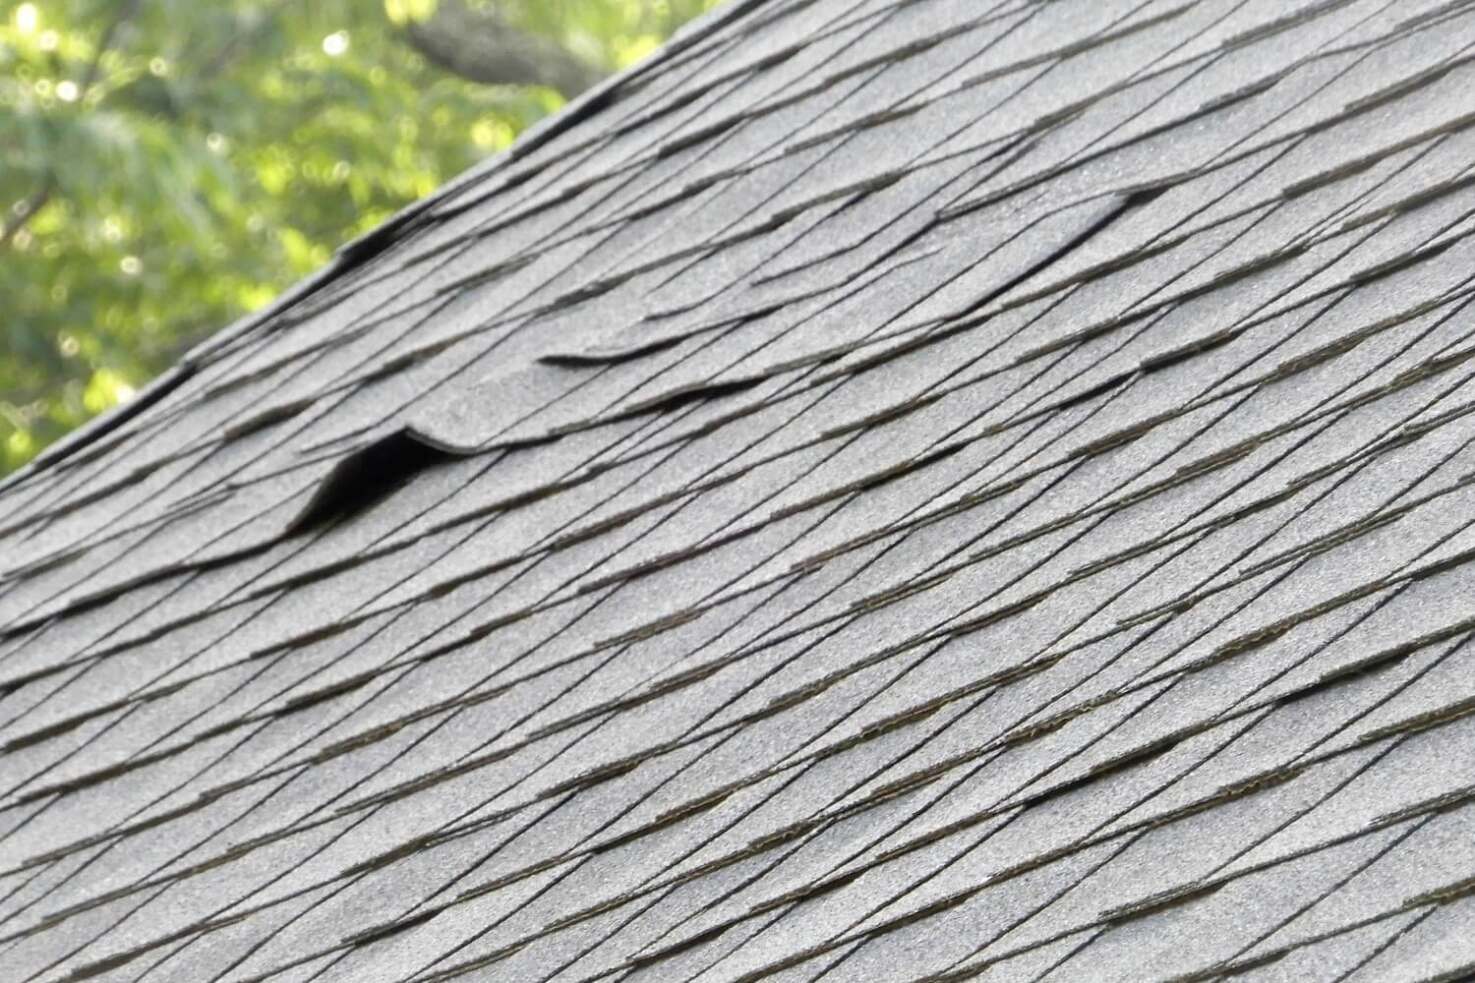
(166, 165)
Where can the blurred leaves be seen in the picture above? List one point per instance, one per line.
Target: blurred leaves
(167, 165)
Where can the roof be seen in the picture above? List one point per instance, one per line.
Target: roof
(915, 490)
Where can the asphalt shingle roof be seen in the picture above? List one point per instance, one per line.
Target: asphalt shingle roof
(925, 490)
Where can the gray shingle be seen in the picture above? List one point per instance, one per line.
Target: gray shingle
(912, 490)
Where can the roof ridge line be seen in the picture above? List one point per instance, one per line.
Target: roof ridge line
(362, 249)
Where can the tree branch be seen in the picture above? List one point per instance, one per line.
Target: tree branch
(109, 35)
(481, 46)
(26, 210)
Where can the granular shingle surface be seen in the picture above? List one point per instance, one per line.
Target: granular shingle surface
(905, 489)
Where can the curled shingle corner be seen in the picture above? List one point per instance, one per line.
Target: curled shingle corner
(366, 476)
(371, 473)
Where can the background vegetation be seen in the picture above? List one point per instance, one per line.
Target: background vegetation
(166, 165)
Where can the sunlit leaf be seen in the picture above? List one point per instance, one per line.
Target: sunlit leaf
(105, 390)
(407, 11)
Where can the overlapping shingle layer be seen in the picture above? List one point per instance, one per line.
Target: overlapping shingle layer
(890, 490)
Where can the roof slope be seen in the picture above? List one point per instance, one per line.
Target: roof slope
(914, 490)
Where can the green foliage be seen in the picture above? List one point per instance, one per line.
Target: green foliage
(166, 165)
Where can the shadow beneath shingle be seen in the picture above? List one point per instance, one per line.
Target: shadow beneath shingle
(366, 477)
